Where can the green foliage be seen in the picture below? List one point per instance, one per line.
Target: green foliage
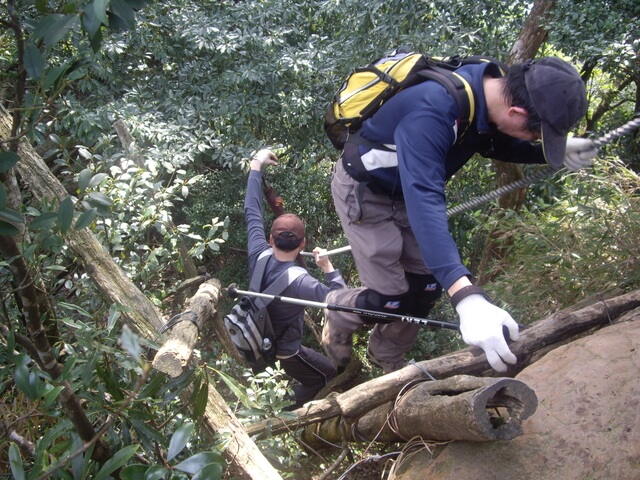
(261, 396)
(202, 465)
(200, 86)
(581, 245)
(262, 69)
(146, 416)
(137, 225)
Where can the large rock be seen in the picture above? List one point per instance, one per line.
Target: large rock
(587, 425)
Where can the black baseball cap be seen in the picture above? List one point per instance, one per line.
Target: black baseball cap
(559, 97)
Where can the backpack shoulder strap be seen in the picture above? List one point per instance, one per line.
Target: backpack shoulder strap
(442, 70)
(285, 279)
(458, 87)
(258, 272)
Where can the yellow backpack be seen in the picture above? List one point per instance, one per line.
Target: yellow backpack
(368, 87)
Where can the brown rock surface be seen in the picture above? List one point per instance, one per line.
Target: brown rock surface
(587, 425)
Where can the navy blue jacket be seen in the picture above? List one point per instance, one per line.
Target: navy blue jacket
(421, 122)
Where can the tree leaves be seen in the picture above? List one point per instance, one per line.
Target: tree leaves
(15, 460)
(118, 460)
(121, 14)
(65, 215)
(198, 462)
(94, 16)
(33, 61)
(179, 439)
(8, 161)
(54, 28)
(129, 341)
(86, 218)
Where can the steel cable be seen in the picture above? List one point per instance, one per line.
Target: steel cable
(547, 172)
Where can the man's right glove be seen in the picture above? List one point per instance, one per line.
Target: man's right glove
(579, 154)
(481, 325)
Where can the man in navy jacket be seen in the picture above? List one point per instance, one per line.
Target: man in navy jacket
(391, 199)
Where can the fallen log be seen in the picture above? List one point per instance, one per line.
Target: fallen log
(542, 336)
(458, 408)
(175, 353)
(245, 459)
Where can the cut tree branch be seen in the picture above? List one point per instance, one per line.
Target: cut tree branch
(461, 407)
(199, 310)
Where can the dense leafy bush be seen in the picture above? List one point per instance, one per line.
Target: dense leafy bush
(580, 245)
(199, 86)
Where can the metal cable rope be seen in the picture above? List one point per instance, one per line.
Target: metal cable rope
(547, 172)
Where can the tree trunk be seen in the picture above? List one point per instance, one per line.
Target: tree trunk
(532, 34)
(534, 342)
(457, 408)
(525, 47)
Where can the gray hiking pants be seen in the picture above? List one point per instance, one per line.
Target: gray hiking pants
(384, 248)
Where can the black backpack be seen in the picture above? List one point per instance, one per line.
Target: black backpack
(249, 324)
(367, 88)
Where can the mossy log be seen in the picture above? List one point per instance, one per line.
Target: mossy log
(175, 353)
(458, 408)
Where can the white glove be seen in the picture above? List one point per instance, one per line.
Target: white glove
(481, 325)
(579, 154)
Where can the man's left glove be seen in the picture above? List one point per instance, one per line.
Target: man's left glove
(481, 325)
(579, 153)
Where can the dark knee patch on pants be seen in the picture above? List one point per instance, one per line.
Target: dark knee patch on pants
(424, 291)
(378, 302)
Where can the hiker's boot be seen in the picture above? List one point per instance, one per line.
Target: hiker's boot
(386, 366)
(338, 346)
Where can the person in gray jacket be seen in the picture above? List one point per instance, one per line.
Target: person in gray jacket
(286, 240)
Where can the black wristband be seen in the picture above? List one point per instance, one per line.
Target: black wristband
(464, 292)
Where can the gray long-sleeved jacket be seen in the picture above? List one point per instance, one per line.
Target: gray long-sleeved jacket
(287, 319)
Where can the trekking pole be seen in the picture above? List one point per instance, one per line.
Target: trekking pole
(233, 292)
(329, 252)
(625, 129)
